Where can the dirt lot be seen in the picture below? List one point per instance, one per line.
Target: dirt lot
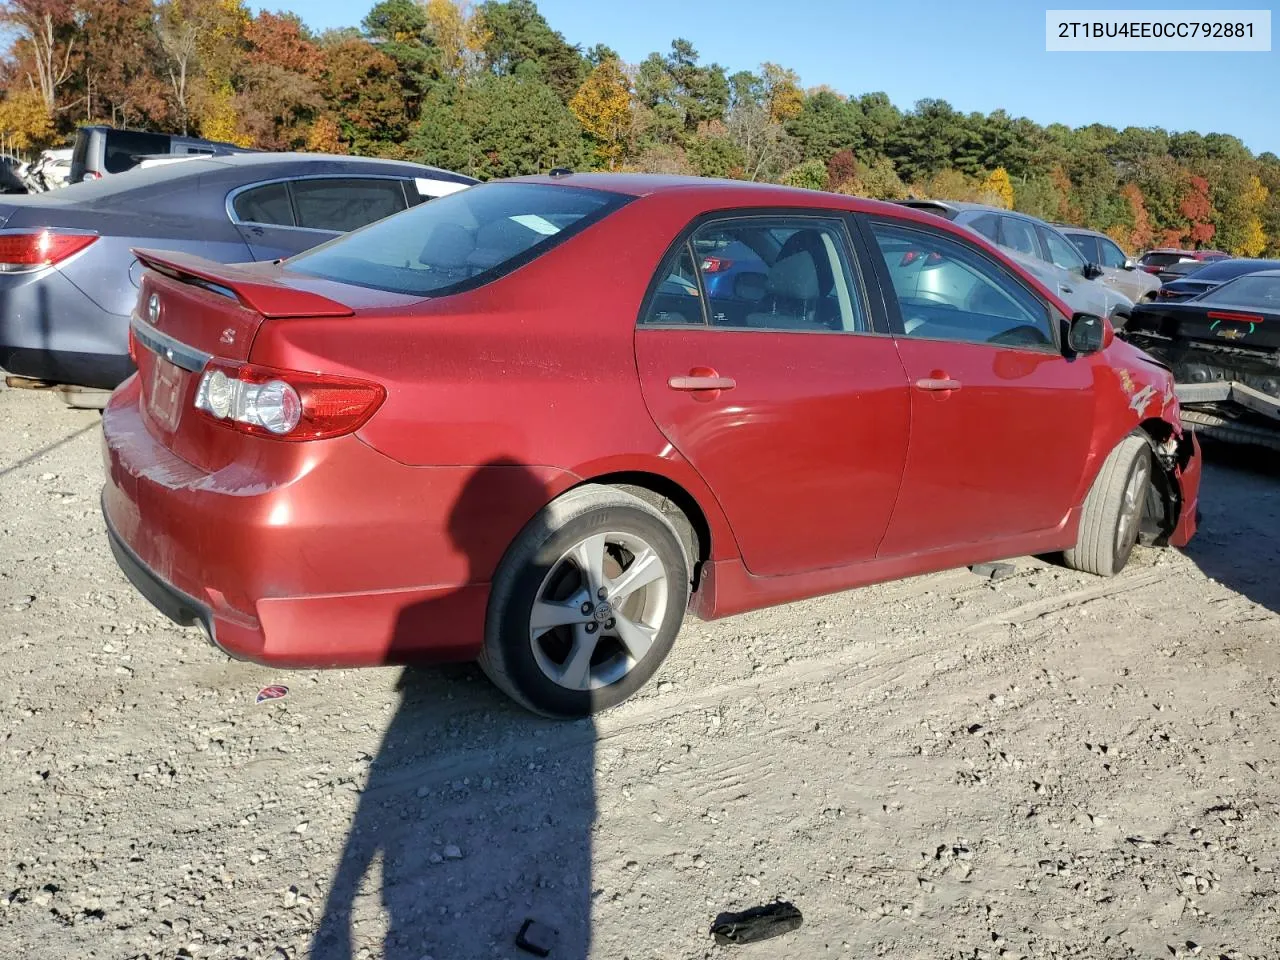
(1045, 766)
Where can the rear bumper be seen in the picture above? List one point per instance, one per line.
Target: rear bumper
(50, 330)
(346, 559)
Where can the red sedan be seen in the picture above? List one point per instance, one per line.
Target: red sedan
(518, 424)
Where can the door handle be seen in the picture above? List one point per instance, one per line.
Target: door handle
(696, 382)
(937, 384)
(1064, 288)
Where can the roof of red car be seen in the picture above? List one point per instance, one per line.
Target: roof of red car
(650, 184)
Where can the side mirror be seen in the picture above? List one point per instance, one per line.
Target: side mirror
(1089, 333)
(1131, 264)
(1092, 271)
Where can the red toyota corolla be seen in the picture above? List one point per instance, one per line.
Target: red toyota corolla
(535, 421)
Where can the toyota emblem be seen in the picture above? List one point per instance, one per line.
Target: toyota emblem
(153, 309)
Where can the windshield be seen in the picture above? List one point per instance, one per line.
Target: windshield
(459, 241)
(1259, 292)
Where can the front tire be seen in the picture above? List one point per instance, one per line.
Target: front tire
(586, 604)
(1113, 511)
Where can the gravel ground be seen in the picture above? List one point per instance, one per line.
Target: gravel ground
(1049, 765)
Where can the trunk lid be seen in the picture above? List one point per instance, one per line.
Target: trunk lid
(190, 311)
(1240, 328)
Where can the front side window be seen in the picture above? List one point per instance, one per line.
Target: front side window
(1087, 244)
(1017, 235)
(460, 241)
(779, 273)
(1111, 255)
(1062, 253)
(343, 204)
(947, 290)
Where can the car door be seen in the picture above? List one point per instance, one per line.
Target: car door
(285, 217)
(1001, 420)
(1083, 294)
(1132, 283)
(780, 388)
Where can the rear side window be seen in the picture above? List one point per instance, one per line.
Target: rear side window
(267, 204)
(125, 146)
(987, 225)
(461, 241)
(345, 204)
(676, 299)
(779, 274)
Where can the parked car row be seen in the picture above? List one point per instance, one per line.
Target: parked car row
(1044, 251)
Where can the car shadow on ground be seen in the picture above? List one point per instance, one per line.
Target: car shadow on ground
(1238, 543)
(476, 814)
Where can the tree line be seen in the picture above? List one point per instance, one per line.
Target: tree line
(493, 90)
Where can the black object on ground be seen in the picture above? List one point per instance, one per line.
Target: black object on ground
(537, 938)
(994, 571)
(758, 923)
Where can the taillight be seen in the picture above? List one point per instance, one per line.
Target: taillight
(285, 404)
(715, 264)
(1233, 315)
(33, 250)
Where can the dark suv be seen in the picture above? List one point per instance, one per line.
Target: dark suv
(102, 150)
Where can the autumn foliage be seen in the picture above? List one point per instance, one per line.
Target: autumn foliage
(493, 89)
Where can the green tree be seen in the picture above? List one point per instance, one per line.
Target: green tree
(826, 124)
(811, 175)
(498, 127)
(518, 39)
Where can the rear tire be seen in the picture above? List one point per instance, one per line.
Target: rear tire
(586, 604)
(1113, 511)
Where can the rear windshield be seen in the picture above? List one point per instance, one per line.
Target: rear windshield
(460, 241)
(124, 147)
(1225, 270)
(1163, 259)
(1259, 292)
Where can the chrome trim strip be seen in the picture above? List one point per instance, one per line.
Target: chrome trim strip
(175, 351)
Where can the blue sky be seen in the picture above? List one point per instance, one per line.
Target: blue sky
(979, 55)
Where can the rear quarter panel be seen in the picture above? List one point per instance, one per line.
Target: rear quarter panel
(537, 368)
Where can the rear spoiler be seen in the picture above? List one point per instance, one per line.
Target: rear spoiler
(273, 300)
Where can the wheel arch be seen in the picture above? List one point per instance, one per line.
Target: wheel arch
(703, 529)
(1170, 451)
